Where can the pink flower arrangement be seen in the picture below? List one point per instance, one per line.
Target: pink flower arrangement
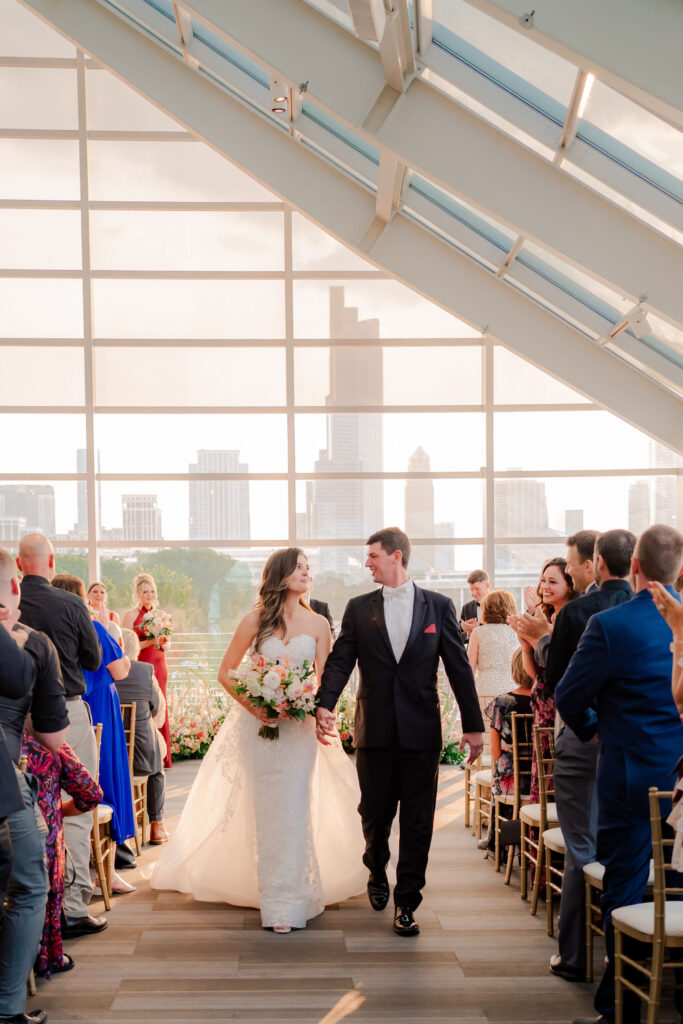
(277, 688)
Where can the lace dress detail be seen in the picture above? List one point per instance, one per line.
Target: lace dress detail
(269, 824)
(497, 642)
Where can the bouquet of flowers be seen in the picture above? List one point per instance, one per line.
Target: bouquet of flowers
(278, 689)
(154, 625)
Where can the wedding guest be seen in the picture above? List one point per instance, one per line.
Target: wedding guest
(492, 644)
(27, 885)
(556, 590)
(105, 707)
(576, 762)
(151, 651)
(97, 602)
(140, 687)
(65, 620)
(479, 585)
(580, 551)
(618, 685)
(56, 771)
(500, 712)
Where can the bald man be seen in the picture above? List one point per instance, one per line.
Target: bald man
(65, 619)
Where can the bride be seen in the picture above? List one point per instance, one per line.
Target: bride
(271, 824)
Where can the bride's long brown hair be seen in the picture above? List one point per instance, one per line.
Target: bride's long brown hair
(272, 593)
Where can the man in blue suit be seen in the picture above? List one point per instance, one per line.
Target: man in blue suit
(618, 686)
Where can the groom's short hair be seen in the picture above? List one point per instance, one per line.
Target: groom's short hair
(392, 539)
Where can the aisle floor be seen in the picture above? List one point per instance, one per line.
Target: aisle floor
(481, 956)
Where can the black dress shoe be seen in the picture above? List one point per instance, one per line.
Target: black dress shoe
(563, 970)
(404, 922)
(72, 927)
(378, 892)
(37, 1017)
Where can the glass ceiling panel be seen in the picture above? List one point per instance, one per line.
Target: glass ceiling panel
(223, 48)
(520, 66)
(148, 27)
(580, 285)
(634, 138)
(480, 223)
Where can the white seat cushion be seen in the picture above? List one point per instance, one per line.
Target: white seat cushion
(484, 777)
(596, 873)
(104, 813)
(554, 840)
(531, 813)
(642, 918)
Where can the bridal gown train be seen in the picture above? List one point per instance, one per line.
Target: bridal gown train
(269, 824)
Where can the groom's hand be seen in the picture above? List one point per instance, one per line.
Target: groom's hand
(325, 725)
(475, 741)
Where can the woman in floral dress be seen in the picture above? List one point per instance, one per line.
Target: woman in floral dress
(57, 771)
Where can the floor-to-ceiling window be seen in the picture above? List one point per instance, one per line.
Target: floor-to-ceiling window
(192, 374)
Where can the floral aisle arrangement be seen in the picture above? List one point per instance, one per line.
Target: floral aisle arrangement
(195, 715)
(276, 688)
(345, 712)
(154, 625)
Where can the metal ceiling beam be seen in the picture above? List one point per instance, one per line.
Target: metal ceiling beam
(632, 46)
(346, 210)
(455, 149)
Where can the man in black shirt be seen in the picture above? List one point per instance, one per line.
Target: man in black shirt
(65, 619)
(27, 887)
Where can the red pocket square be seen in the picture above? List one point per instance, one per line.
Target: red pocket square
(431, 629)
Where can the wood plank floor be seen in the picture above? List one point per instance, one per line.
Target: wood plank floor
(480, 957)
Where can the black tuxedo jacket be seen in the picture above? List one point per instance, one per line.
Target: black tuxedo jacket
(469, 611)
(398, 702)
(572, 621)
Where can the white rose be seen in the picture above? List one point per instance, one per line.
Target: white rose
(271, 681)
(295, 689)
(253, 687)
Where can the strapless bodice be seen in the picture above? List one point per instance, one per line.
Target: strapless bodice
(300, 648)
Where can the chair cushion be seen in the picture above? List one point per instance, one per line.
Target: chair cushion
(554, 840)
(641, 918)
(484, 777)
(531, 813)
(595, 871)
(104, 813)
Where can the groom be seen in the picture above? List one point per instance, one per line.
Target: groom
(397, 635)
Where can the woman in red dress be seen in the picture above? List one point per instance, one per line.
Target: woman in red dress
(151, 651)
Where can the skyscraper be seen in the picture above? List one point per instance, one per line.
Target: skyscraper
(141, 517)
(419, 512)
(521, 508)
(81, 525)
(349, 508)
(27, 507)
(219, 509)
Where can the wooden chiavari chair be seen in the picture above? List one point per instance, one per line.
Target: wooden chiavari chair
(534, 818)
(138, 782)
(522, 747)
(101, 842)
(658, 924)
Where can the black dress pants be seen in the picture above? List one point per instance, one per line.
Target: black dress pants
(391, 778)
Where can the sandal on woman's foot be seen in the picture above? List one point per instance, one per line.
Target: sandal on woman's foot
(66, 964)
(282, 929)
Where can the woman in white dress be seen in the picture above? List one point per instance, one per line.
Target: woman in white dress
(492, 644)
(271, 823)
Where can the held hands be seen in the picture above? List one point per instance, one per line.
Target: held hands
(325, 725)
(475, 741)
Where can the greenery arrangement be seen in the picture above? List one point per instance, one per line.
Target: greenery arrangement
(195, 715)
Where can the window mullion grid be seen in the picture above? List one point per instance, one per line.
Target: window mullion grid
(89, 373)
(289, 379)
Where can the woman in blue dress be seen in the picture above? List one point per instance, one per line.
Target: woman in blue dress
(105, 707)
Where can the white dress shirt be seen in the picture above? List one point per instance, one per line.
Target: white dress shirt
(398, 615)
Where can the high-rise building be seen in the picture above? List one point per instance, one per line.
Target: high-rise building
(667, 491)
(349, 508)
(219, 509)
(30, 504)
(444, 554)
(419, 512)
(521, 508)
(141, 517)
(573, 520)
(639, 506)
(81, 526)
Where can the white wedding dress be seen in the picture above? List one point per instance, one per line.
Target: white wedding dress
(269, 824)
